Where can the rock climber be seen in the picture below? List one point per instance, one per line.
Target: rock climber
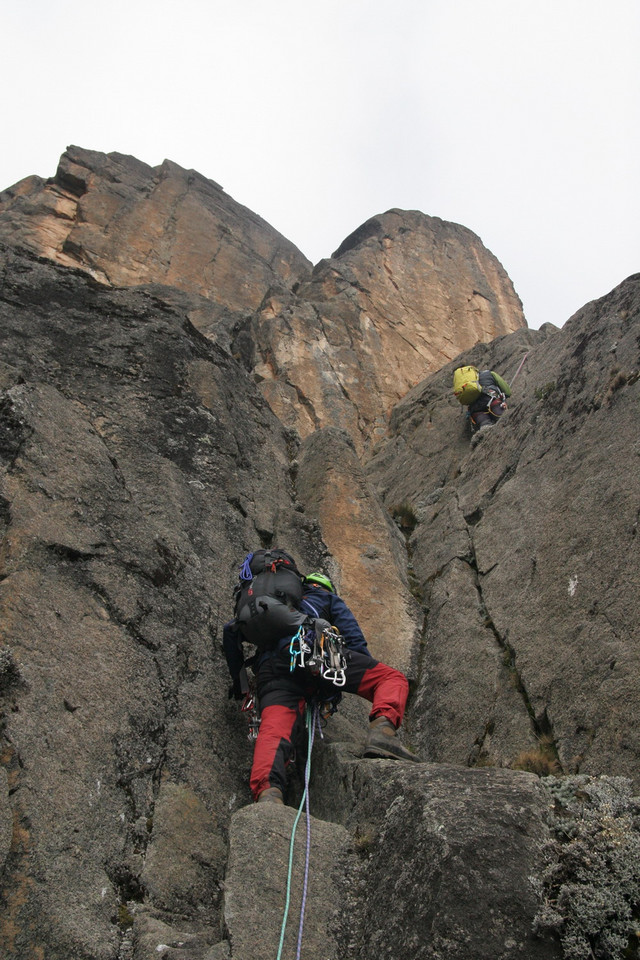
(283, 694)
(491, 404)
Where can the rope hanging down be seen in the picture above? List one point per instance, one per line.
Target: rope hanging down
(312, 720)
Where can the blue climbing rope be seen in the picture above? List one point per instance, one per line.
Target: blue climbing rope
(312, 719)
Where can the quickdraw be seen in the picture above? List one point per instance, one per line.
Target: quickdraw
(320, 651)
(250, 707)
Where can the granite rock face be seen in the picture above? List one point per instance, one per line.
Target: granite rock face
(443, 858)
(140, 461)
(127, 223)
(259, 866)
(367, 550)
(401, 296)
(522, 548)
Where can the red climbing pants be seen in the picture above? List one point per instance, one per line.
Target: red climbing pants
(283, 696)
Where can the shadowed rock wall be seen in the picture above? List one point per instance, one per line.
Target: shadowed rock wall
(138, 462)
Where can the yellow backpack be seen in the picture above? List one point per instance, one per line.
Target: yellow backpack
(466, 385)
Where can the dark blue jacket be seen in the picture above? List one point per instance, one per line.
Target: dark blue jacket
(317, 603)
(329, 606)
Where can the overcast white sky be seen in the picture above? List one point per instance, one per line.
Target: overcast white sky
(518, 118)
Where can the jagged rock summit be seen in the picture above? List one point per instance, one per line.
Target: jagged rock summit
(399, 298)
(126, 223)
(140, 461)
(336, 346)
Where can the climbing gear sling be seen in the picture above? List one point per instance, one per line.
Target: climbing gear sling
(318, 648)
(251, 709)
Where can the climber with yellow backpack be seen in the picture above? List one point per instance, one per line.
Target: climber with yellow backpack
(484, 393)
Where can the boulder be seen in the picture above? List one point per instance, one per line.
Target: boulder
(445, 857)
(265, 863)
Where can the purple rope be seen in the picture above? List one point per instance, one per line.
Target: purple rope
(313, 720)
(245, 569)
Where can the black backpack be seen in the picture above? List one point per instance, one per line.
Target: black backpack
(267, 598)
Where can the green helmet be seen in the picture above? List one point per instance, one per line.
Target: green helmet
(321, 580)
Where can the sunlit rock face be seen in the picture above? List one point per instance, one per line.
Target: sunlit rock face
(127, 223)
(338, 346)
(400, 297)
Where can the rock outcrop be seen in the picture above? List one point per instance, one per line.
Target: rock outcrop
(522, 548)
(401, 296)
(398, 299)
(140, 460)
(444, 859)
(127, 223)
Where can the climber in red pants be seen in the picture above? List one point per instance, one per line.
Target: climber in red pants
(283, 693)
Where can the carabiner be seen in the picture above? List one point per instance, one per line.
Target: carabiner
(335, 676)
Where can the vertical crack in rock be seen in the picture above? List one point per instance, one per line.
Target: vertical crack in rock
(541, 724)
(306, 402)
(406, 522)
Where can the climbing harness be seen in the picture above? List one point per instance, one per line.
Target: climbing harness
(318, 648)
(313, 722)
(496, 402)
(320, 651)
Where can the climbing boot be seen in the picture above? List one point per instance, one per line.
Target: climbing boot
(383, 743)
(271, 795)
